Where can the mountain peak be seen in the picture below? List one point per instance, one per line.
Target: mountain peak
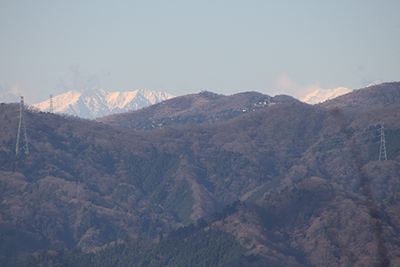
(322, 95)
(202, 108)
(92, 103)
(372, 96)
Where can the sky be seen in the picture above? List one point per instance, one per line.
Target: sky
(184, 47)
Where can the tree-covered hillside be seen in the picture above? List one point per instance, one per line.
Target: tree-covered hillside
(86, 184)
(312, 223)
(373, 96)
(202, 108)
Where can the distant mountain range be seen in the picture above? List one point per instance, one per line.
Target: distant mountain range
(202, 108)
(322, 95)
(372, 96)
(207, 107)
(95, 102)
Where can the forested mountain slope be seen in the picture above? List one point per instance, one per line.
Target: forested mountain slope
(87, 184)
(203, 108)
(374, 96)
(311, 223)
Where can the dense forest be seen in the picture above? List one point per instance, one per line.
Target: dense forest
(312, 223)
(89, 187)
(187, 246)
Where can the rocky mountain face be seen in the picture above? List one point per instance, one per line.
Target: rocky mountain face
(95, 102)
(292, 166)
(203, 108)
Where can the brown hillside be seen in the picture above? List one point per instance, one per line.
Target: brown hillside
(202, 108)
(87, 184)
(315, 223)
(375, 96)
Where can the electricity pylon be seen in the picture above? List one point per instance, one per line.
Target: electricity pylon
(21, 123)
(51, 104)
(382, 146)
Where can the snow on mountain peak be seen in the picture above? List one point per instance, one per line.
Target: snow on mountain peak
(96, 102)
(322, 95)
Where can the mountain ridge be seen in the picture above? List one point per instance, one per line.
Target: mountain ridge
(95, 102)
(323, 95)
(207, 107)
(203, 108)
(373, 96)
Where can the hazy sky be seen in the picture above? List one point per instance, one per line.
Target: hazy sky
(182, 47)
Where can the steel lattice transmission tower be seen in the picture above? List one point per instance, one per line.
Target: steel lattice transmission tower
(382, 146)
(51, 104)
(21, 124)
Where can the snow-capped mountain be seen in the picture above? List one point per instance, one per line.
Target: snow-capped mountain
(95, 102)
(322, 95)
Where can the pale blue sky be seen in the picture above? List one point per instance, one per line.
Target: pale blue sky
(182, 47)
